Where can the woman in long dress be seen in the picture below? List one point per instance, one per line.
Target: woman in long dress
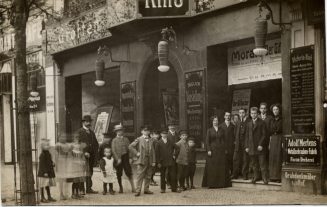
(216, 173)
(275, 151)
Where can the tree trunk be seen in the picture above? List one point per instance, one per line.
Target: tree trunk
(23, 125)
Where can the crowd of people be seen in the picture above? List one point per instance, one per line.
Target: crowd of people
(235, 148)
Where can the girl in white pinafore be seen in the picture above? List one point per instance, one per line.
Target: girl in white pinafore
(108, 171)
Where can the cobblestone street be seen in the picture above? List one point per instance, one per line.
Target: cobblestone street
(199, 196)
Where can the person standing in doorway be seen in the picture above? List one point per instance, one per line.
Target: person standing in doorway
(143, 147)
(87, 136)
(266, 118)
(254, 140)
(120, 152)
(174, 138)
(228, 136)
(241, 158)
(276, 141)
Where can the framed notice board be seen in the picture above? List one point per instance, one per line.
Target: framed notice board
(302, 90)
(128, 108)
(195, 104)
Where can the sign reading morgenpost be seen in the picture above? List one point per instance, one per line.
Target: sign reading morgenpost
(302, 90)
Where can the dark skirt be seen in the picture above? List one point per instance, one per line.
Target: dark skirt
(275, 157)
(216, 171)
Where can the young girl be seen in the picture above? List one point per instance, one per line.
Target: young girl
(108, 171)
(46, 172)
(78, 167)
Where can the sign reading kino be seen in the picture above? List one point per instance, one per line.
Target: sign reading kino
(157, 8)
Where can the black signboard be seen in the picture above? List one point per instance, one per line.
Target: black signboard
(302, 90)
(127, 108)
(163, 8)
(303, 150)
(315, 11)
(195, 93)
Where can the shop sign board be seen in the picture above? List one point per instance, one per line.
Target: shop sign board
(102, 122)
(302, 150)
(163, 8)
(245, 67)
(301, 180)
(315, 11)
(241, 100)
(128, 108)
(195, 96)
(302, 90)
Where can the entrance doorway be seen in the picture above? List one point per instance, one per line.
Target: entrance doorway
(160, 97)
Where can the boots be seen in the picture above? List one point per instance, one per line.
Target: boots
(120, 185)
(132, 184)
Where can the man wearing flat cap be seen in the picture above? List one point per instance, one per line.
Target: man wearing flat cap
(120, 152)
(143, 147)
(87, 136)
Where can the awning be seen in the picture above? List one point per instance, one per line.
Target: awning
(6, 68)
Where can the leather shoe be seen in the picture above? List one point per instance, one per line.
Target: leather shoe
(265, 181)
(137, 194)
(91, 191)
(176, 191)
(148, 192)
(163, 191)
(253, 181)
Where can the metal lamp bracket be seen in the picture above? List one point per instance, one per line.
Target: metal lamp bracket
(105, 51)
(169, 35)
(264, 4)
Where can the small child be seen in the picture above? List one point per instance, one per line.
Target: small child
(46, 172)
(182, 159)
(108, 171)
(106, 143)
(191, 163)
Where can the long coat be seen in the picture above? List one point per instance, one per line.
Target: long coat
(255, 136)
(165, 153)
(228, 136)
(174, 138)
(92, 145)
(138, 145)
(216, 171)
(267, 122)
(46, 165)
(275, 152)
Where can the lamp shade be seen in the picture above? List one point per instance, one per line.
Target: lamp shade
(163, 53)
(99, 70)
(33, 84)
(261, 28)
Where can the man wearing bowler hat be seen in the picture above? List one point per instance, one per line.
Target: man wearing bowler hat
(87, 136)
(120, 152)
(143, 147)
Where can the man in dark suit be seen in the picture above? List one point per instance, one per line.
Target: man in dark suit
(228, 136)
(254, 139)
(241, 158)
(174, 138)
(166, 162)
(266, 118)
(87, 136)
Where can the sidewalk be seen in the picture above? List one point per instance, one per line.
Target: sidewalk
(199, 196)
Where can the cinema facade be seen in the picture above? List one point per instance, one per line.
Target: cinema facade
(212, 69)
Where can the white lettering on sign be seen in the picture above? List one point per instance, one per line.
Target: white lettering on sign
(303, 176)
(163, 4)
(301, 143)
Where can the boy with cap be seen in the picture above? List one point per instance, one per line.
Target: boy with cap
(182, 159)
(120, 152)
(144, 149)
(155, 135)
(166, 162)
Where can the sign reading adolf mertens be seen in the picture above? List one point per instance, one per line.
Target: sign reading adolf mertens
(155, 8)
(303, 150)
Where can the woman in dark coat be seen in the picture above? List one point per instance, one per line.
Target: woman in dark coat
(216, 173)
(276, 139)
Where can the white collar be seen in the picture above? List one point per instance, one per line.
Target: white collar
(216, 128)
(87, 129)
(227, 123)
(254, 120)
(171, 132)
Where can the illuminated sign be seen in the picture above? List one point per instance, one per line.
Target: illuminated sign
(155, 8)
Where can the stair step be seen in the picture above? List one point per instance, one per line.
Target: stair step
(259, 185)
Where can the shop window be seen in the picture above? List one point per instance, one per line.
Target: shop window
(5, 83)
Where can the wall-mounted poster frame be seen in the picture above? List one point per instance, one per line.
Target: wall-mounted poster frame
(102, 121)
(128, 108)
(170, 106)
(195, 95)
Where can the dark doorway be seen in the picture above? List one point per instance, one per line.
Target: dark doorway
(160, 96)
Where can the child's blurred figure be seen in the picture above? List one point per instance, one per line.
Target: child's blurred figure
(46, 172)
(191, 163)
(106, 143)
(108, 171)
(182, 159)
(63, 160)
